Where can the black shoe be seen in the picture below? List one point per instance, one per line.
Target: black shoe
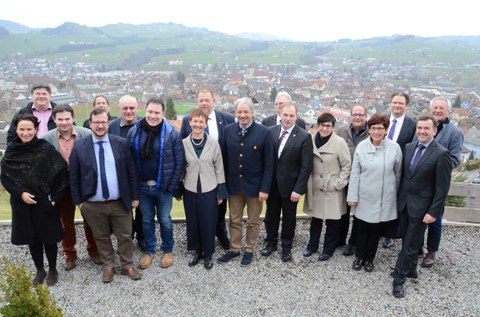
(208, 262)
(349, 250)
(286, 255)
(357, 264)
(388, 243)
(369, 266)
(268, 250)
(52, 277)
(398, 291)
(228, 256)
(413, 274)
(324, 257)
(225, 243)
(195, 259)
(308, 253)
(247, 259)
(39, 277)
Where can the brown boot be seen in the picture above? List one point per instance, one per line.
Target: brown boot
(428, 260)
(146, 261)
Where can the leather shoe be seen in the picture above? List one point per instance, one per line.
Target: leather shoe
(357, 264)
(96, 259)
(398, 291)
(388, 243)
(324, 257)
(132, 273)
(268, 250)
(107, 275)
(368, 266)
(428, 260)
(228, 256)
(413, 274)
(308, 253)
(349, 250)
(286, 256)
(167, 260)
(146, 261)
(194, 259)
(39, 277)
(208, 262)
(52, 277)
(70, 263)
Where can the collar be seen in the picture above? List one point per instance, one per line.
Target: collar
(74, 133)
(123, 123)
(105, 138)
(48, 108)
(248, 126)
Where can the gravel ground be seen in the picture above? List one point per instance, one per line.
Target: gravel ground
(304, 287)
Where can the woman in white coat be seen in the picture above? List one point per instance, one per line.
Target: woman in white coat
(325, 198)
(372, 190)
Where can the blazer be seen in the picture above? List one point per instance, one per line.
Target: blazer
(114, 125)
(208, 167)
(83, 171)
(271, 121)
(294, 166)
(407, 133)
(248, 159)
(426, 189)
(52, 136)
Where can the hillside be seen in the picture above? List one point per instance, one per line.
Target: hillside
(145, 46)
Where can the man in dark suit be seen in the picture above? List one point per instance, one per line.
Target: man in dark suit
(281, 98)
(105, 188)
(249, 171)
(423, 190)
(292, 168)
(215, 128)
(401, 130)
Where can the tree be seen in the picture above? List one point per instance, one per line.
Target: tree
(458, 102)
(170, 112)
(273, 94)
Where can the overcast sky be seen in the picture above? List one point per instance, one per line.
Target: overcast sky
(309, 20)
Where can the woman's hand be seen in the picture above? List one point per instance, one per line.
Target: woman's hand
(352, 203)
(219, 201)
(28, 198)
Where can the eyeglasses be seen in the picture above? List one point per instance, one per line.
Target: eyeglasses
(377, 129)
(326, 126)
(99, 122)
(358, 115)
(128, 108)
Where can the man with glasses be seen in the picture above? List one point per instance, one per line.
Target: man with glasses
(128, 110)
(353, 134)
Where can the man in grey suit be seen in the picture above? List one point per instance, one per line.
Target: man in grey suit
(281, 98)
(63, 137)
(451, 138)
(292, 168)
(423, 190)
(401, 130)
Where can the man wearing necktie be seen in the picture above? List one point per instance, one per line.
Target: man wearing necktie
(292, 168)
(402, 129)
(104, 187)
(423, 190)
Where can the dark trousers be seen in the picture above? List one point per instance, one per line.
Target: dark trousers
(343, 232)
(331, 235)
(434, 235)
(137, 223)
(201, 216)
(413, 230)
(368, 235)
(275, 206)
(221, 230)
(36, 251)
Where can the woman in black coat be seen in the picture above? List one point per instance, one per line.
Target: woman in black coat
(35, 175)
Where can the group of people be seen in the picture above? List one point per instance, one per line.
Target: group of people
(112, 166)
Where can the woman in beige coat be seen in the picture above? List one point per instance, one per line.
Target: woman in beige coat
(325, 199)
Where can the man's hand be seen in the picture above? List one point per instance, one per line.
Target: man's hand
(135, 203)
(294, 197)
(429, 219)
(262, 196)
(28, 198)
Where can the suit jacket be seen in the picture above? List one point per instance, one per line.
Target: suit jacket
(248, 159)
(83, 170)
(407, 133)
(292, 169)
(115, 128)
(426, 189)
(52, 136)
(271, 121)
(208, 167)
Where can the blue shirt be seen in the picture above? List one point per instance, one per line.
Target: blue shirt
(110, 170)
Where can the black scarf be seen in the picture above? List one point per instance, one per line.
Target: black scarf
(319, 141)
(146, 153)
(36, 167)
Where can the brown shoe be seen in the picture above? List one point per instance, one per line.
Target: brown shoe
(96, 259)
(39, 277)
(167, 260)
(146, 260)
(428, 260)
(107, 275)
(70, 263)
(52, 277)
(132, 273)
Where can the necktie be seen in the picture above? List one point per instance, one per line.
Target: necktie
(392, 129)
(280, 139)
(417, 158)
(206, 128)
(103, 174)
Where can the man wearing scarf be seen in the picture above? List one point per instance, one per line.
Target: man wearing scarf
(159, 158)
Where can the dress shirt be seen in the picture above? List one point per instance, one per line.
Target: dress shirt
(398, 126)
(66, 145)
(110, 170)
(212, 125)
(285, 138)
(279, 119)
(43, 117)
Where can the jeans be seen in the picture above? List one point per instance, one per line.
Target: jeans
(155, 202)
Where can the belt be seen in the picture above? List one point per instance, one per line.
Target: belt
(150, 183)
(105, 201)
